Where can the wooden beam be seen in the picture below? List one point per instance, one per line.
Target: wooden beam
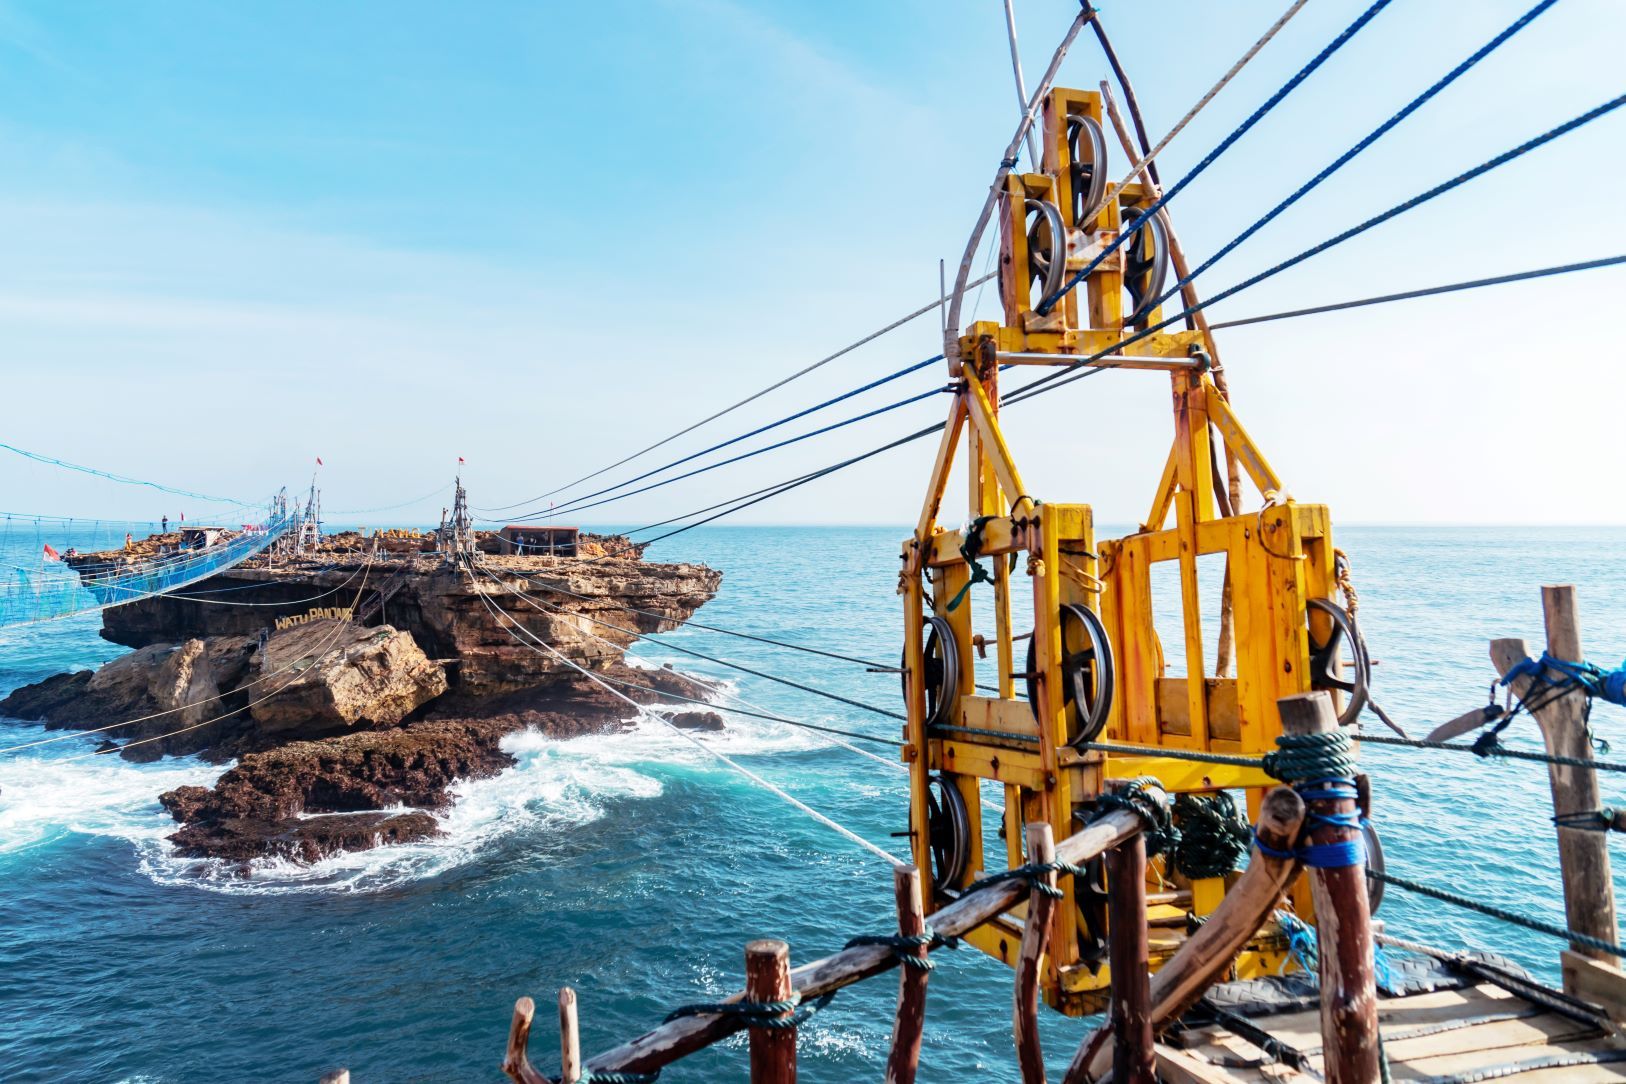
(570, 1044)
(515, 1063)
(1207, 954)
(767, 978)
(994, 447)
(904, 1059)
(1349, 993)
(1133, 1058)
(1583, 856)
(671, 1041)
(1030, 963)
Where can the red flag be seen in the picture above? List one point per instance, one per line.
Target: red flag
(318, 461)
(460, 459)
(51, 554)
(183, 517)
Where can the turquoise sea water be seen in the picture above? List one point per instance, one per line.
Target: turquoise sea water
(634, 867)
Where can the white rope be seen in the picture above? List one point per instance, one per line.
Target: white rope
(686, 736)
(1021, 85)
(798, 374)
(70, 734)
(1202, 102)
(736, 697)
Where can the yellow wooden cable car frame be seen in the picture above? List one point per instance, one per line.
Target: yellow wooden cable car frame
(1278, 556)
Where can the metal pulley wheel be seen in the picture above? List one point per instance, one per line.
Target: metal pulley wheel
(1087, 166)
(1088, 672)
(1146, 262)
(1047, 249)
(1374, 863)
(948, 832)
(1328, 666)
(942, 670)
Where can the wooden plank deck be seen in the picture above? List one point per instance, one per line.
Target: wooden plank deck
(1478, 1032)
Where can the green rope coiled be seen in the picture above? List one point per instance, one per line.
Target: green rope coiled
(1303, 757)
(1161, 834)
(904, 946)
(1213, 836)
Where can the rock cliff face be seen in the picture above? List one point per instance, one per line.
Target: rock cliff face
(351, 686)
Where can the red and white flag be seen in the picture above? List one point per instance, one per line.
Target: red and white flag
(51, 554)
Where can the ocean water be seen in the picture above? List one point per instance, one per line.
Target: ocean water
(635, 867)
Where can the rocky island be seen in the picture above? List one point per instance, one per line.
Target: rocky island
(356, 682)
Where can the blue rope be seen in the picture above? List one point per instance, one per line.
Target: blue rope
(1224, 145)
(1376, 134)
(1594, 680)
(1061, 376)
(905, 371)
(55, 462)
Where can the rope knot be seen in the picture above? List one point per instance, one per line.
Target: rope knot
(1161, 834)
(779, 1015)
(905, 946)
(1302, 757)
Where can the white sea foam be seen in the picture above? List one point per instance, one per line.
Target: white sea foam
(555, 786)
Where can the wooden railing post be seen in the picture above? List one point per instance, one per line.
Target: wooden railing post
(1583, 855)
(1134, 1060)
(767, 978)
(1349, 995)
(904, 1060)
(337, 1076)
(516, 1064)
(1030, 965)
(570, 1045)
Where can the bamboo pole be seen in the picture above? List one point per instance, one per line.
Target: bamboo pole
(1583, 856)
(570, 1046)
(516, 1064)
(1349, 993)
(667, 1043)
(1133, 1058)
(904, 1060)
(1030, 964)
(1208, 953)
(767, 978)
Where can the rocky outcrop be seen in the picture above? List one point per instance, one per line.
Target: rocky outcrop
(327, 677)
(307, 799)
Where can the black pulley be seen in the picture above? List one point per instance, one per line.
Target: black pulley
(1146, 262)
(942, 670)
(1374, 864)
(1329, 669)
(1087, 167)
(1047, 249)
(948, 832)
(1088, 672)
(1090, 896)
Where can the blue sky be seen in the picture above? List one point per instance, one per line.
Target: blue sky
(237, 237)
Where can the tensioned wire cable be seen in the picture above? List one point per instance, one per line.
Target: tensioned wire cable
(437, 491)
(1371, 137)
(690, 738)
(70, 734)
(754, 710)
(1048, 303)
(849, 348)
(495, 574)
(576, 501)
(121, 478)
(571, 508)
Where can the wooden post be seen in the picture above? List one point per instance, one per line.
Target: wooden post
(1208, 953)
(767, 978)
(1583, 855)
(1349, 995)
(570, 1045)
(1030, 965)
(904, 1060)
(516, 1064)
(337, 1076)
(1133, 1059)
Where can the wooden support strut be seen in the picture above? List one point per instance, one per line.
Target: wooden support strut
(1207, 954)
(570, 1044)
(1134, 1060)
(515, 1064)
(767, 978)
(671, 1041)
(904, 1060)
(1349, 995)
(1583, 856)
(1030, 965)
